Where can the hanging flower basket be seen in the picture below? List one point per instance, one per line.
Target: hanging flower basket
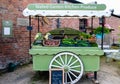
(98, 30)
(99, 36)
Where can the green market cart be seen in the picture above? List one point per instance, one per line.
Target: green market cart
(74, 60)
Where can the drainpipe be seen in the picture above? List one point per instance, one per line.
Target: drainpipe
(38, 24)
(58, 23)
(58, 20)
(30, 32)
(103, 22)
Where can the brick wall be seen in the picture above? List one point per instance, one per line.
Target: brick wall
(114, 22)
(16, 47)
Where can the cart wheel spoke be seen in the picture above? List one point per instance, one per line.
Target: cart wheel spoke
(73, 74)
(73, 62)
(72, 65)
(70, 60)
(61, 60)
(65, 59)
(76, 66)
(73, 70)
(69, 77)
(58, 62)
(55, 66)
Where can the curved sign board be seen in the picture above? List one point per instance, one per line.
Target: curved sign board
(60, 10)
(66, 6)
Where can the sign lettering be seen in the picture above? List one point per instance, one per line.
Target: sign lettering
(66, 6)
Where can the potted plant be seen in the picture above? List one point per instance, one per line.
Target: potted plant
(98, 31)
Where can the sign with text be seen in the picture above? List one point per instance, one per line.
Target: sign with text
(7, 28)
(56, 76)
(22, 21)
(66, 6)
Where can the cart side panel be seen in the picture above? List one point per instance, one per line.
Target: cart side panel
(41, 63)
(76, 50)
(91, 63)
(42, 56)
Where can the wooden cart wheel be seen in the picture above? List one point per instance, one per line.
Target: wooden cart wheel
(72, 65)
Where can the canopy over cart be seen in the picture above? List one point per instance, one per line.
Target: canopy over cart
(62, 10)
(74, 60)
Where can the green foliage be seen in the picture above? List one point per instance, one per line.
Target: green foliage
(38, 39)
(70, 41)
(98, 30)
(82, 43)
(66, 30)
(38, 36)
(85, 35)
(69, 31)
(93, 44)
(67, 42)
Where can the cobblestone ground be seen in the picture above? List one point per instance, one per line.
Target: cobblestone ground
(109, 74)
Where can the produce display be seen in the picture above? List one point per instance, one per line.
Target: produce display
(38, 39)
(51, 42)
(62, 37)
(77, 43)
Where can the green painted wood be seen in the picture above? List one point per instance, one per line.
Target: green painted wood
(42, 56)
(41, 63)
(66, 7)
(77, 50)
